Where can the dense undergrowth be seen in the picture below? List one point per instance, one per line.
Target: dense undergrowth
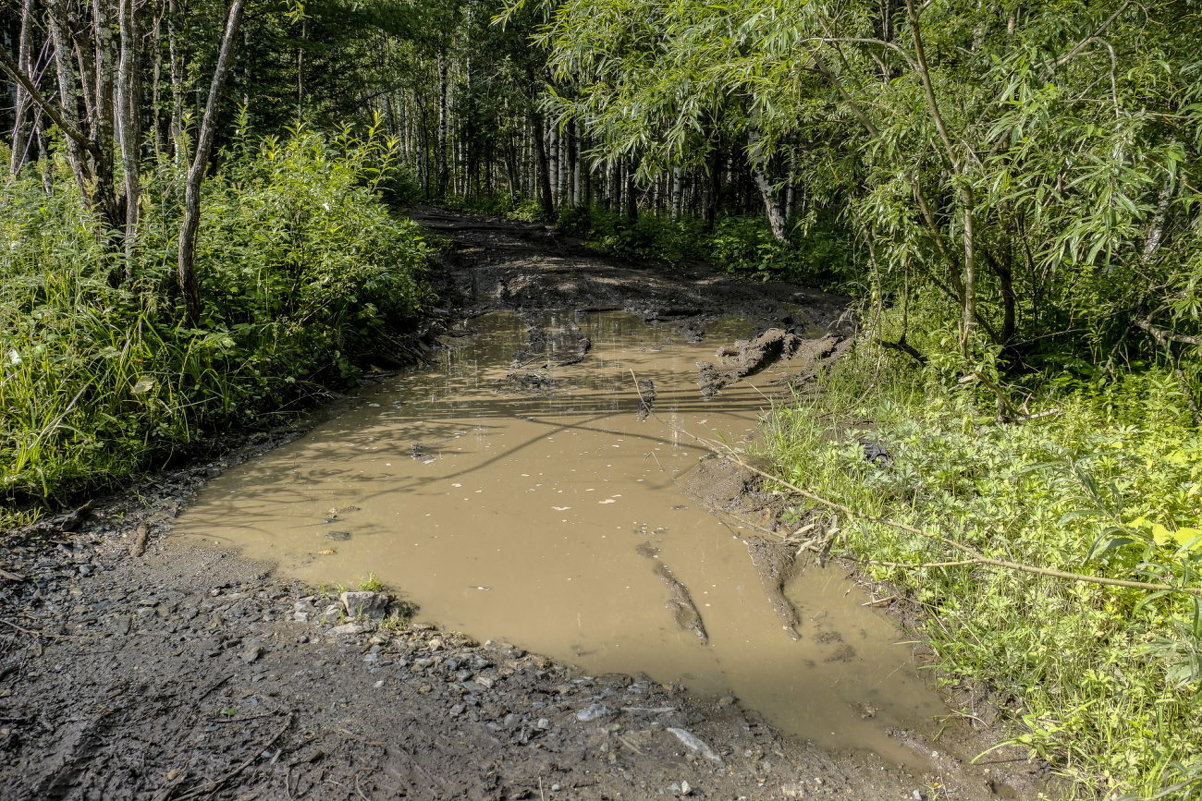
(304, 271)
(818, 251)
(1107, 681)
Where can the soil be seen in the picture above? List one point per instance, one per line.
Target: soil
(134, 665)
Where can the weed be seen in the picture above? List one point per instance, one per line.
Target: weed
(371, 584)
(1109, 679)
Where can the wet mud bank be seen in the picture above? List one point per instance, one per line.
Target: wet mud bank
(141, 661)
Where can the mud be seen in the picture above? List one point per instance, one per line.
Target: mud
(680, 601)
(187, 672)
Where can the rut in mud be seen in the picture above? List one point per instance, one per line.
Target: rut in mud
(525, 487)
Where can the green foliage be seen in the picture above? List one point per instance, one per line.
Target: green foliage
(649, 237)
(1033, 168)
(821, 255)
(743, 245)
(303, 271)
(1109, 680)
(371, 584)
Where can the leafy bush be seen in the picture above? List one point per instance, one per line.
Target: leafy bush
(1109, 679)
(742, 245)
(303, 270)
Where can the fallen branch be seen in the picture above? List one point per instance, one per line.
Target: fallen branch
(35, 632)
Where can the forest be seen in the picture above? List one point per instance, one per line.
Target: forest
(203, 229)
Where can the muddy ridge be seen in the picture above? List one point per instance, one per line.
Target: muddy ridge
(135, 664)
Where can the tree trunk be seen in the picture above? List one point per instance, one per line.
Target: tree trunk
(129, 129)
(772, 207)
(186, 278)
(543, 166)
(444, 123)
(632, 198)
(21, 99)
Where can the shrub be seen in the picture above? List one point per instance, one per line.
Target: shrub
(303, 271)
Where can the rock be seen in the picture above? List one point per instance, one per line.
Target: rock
(542, 724)
(362, 603)
(697, 746)
(795, 790)
(347, 628)
(251, 653)
(877, 454)
(685, 789)
(593, 712)
(338, 536)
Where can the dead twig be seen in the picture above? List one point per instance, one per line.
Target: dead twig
(21, 629)
(36, 632)
(880, 601)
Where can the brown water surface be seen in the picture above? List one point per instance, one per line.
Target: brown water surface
(536, 517)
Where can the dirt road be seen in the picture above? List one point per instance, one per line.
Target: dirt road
(136, 666)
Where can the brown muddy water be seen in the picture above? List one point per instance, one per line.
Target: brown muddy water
(548, 514)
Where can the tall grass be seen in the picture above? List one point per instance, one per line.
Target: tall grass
(303, 270)
(1107, 682)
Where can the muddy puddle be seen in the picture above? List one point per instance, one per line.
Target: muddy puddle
(528, 498)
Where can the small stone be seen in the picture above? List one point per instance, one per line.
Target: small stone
(361, 603)
(434, 644)
(542, 724)
(251, 654)
(796, 790)
(593, 712)
(457, 710)
(685, 789)
(379, 684)
(486, 682)
(338, 536)
(347, 628)
(695, 745)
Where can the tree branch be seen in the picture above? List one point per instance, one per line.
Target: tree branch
(14, 71)
(1164, 336)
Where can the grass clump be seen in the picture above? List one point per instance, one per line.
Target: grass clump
(1107, 681)
(371, 584)
(303, 270)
